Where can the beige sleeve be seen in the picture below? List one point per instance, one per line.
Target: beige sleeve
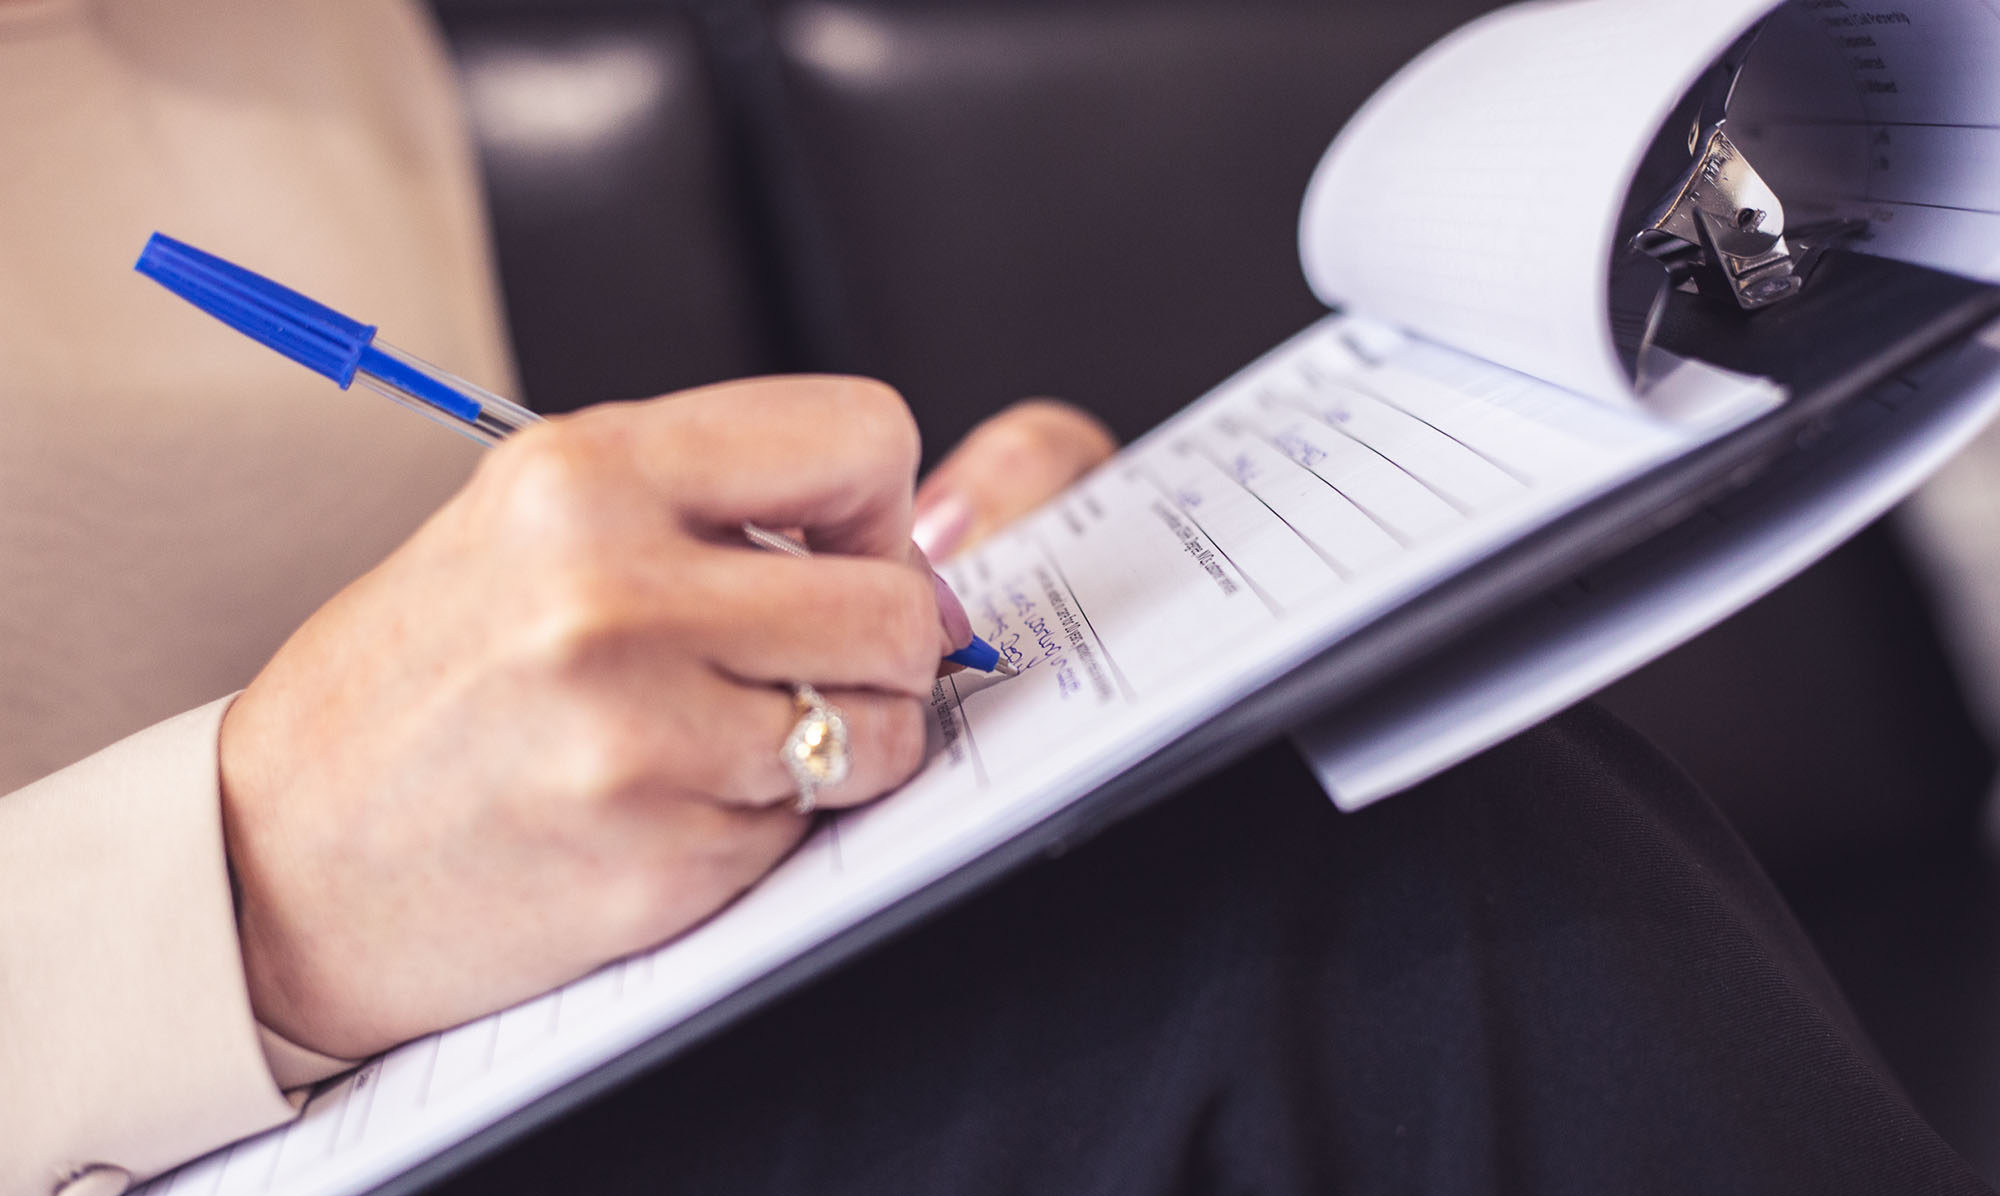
(127, 1043)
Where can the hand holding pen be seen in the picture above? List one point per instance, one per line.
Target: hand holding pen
(570, 685)
(348, 351)
(543, 733)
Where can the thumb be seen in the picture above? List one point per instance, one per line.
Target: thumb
(1010, 464)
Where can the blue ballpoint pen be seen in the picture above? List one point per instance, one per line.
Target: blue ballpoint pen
(348, 351)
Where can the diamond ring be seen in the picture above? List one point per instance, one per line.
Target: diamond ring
(815, 753)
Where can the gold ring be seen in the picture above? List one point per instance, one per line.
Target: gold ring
(815, 753)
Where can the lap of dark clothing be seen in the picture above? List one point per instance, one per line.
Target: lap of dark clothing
(1553, 969)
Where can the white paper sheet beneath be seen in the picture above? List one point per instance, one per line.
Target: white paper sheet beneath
(1583, 641)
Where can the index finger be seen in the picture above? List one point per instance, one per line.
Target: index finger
(833, 456)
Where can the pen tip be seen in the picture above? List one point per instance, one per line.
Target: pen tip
(1004, 669)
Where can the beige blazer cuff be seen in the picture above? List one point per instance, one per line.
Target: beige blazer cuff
(128, 1042)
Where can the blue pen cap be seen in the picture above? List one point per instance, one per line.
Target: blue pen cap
(312, 334)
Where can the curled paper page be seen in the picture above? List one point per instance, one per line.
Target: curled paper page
(1474, 199)
(1477, 198)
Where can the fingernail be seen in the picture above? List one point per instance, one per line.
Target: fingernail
(941, 525)
(957, 625)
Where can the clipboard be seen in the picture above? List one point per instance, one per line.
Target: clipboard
(1891, 368)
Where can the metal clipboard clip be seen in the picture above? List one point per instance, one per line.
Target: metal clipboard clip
(1720, 223)
(1718, 228)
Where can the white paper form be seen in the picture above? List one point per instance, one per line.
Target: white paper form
(1474, 199)
(1200, 564)
(1888, 112)
(1578, 641)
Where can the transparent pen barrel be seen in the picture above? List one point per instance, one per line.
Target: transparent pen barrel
(440, 395)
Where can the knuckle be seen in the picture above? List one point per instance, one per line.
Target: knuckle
(577, 626)
(602, 763)
(548, 477)
(881, 420)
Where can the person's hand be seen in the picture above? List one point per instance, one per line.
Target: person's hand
(544, 732)
(1004, 468)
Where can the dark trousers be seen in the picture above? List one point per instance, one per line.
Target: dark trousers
(1551, 970)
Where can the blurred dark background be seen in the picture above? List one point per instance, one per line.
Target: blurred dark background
(979, 200)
